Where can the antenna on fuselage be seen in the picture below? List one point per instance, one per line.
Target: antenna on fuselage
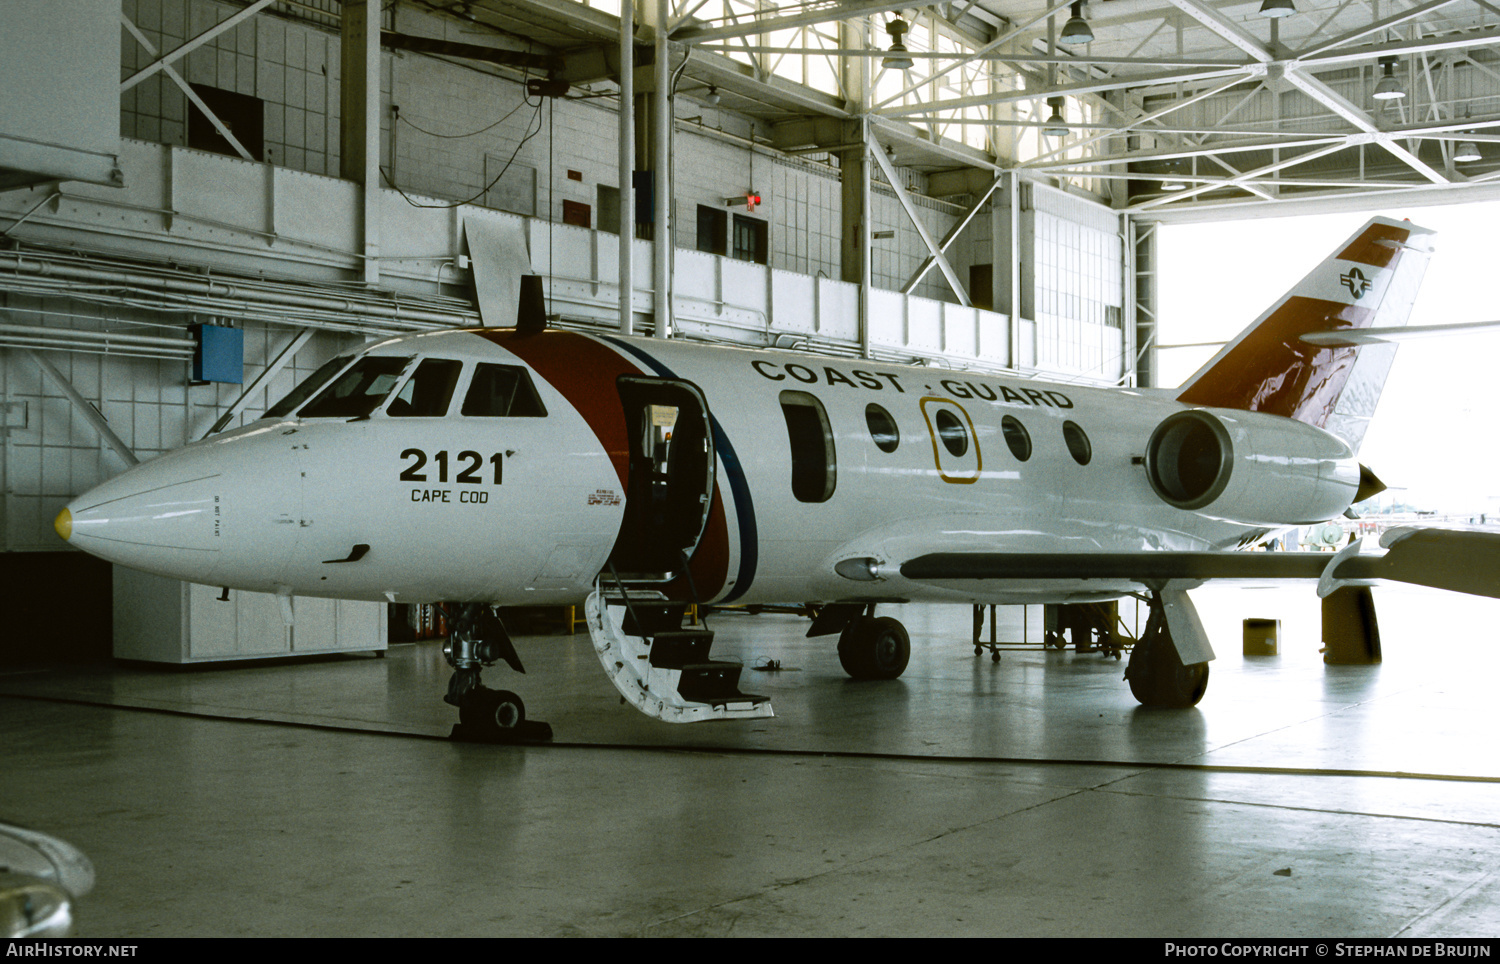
(531, 307)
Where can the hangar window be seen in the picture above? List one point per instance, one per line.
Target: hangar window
(1016, 437)
(357, 392)
(882, 428)
(814, 467)
(307, 386)
(502, 391)
(951, 432)
(1078, 443)
(428, 391)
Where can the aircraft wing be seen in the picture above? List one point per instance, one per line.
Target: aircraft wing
(1461, 561)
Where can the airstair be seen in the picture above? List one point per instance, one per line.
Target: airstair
(661, 667)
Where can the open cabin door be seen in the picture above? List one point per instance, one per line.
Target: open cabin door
(671, 477)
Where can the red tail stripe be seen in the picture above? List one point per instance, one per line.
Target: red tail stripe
(1368, 249)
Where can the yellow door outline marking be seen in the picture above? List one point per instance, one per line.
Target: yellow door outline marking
(932, 433)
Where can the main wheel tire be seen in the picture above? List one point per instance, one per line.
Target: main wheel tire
(874, 648)
(1158, 676)
(492, 711)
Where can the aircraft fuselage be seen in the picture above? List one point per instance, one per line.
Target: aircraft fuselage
(769, 469)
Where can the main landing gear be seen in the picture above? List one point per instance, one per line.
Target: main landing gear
(1156, 672)
(870, 646)
(478, 639)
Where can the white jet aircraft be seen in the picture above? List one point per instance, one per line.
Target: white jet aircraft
(492, 467)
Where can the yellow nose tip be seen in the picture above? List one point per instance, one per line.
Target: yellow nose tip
(64, 524)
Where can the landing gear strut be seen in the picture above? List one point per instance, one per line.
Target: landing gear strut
(1156, 673)
(478, 639)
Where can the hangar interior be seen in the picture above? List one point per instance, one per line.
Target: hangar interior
(202, 202)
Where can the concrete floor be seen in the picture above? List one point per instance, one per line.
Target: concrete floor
(1033, 797)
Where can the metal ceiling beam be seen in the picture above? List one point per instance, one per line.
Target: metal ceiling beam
(992, 45)
(953, 232)
(1148, 118)
(85, 408)
(1339, 140)
(188, 91)
(894, 182)
(817, 12)
(1001, 56)
(1235, 181)
(1332, 99)
(1486, 38)
(1376, 27)
(195, 43)
(1074, 90)
(1225, 28)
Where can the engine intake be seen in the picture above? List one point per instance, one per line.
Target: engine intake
(1250, 468)
(1189, 459)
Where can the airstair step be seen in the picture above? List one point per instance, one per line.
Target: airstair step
(715, 683)
(651, 618)
(680, 648)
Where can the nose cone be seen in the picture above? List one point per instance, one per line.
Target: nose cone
(162, 516)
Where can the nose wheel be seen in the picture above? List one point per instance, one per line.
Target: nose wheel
(485, 715)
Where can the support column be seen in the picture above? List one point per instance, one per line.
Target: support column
(359, 121)
(854, 176)
(664, 233)
(627, 167)
(1145, 304)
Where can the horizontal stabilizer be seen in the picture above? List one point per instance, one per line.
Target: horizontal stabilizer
(1350, 337)
(1452, 559)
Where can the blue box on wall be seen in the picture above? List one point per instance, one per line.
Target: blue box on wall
(219, 354)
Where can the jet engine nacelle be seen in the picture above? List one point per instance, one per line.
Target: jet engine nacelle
(1250, 468)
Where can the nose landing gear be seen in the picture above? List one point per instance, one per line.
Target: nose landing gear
(478, 639)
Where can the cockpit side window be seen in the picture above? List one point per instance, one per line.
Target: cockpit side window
(359, 390)
(428, 391)
(307, 386)
(502, 391)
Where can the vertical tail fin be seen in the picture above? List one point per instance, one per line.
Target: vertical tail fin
(1370, 281)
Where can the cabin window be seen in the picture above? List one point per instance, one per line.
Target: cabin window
(428, 391)
(1078, 443)
(357, 392)
(814, 467)
(1016, 437)
(882, 428)
(951, 432)
(307, 386)
(502, 391)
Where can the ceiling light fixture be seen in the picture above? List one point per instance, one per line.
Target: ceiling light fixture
(712, 99)
(1389, 87)
(1467, 151)
(897, 58)
(1275, 9)
(1057, 124)
(1076, 30)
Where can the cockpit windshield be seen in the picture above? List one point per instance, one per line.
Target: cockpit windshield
(307, 386)
(358, 391)
(428, 391)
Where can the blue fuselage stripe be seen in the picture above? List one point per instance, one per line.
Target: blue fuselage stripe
(739, 486)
